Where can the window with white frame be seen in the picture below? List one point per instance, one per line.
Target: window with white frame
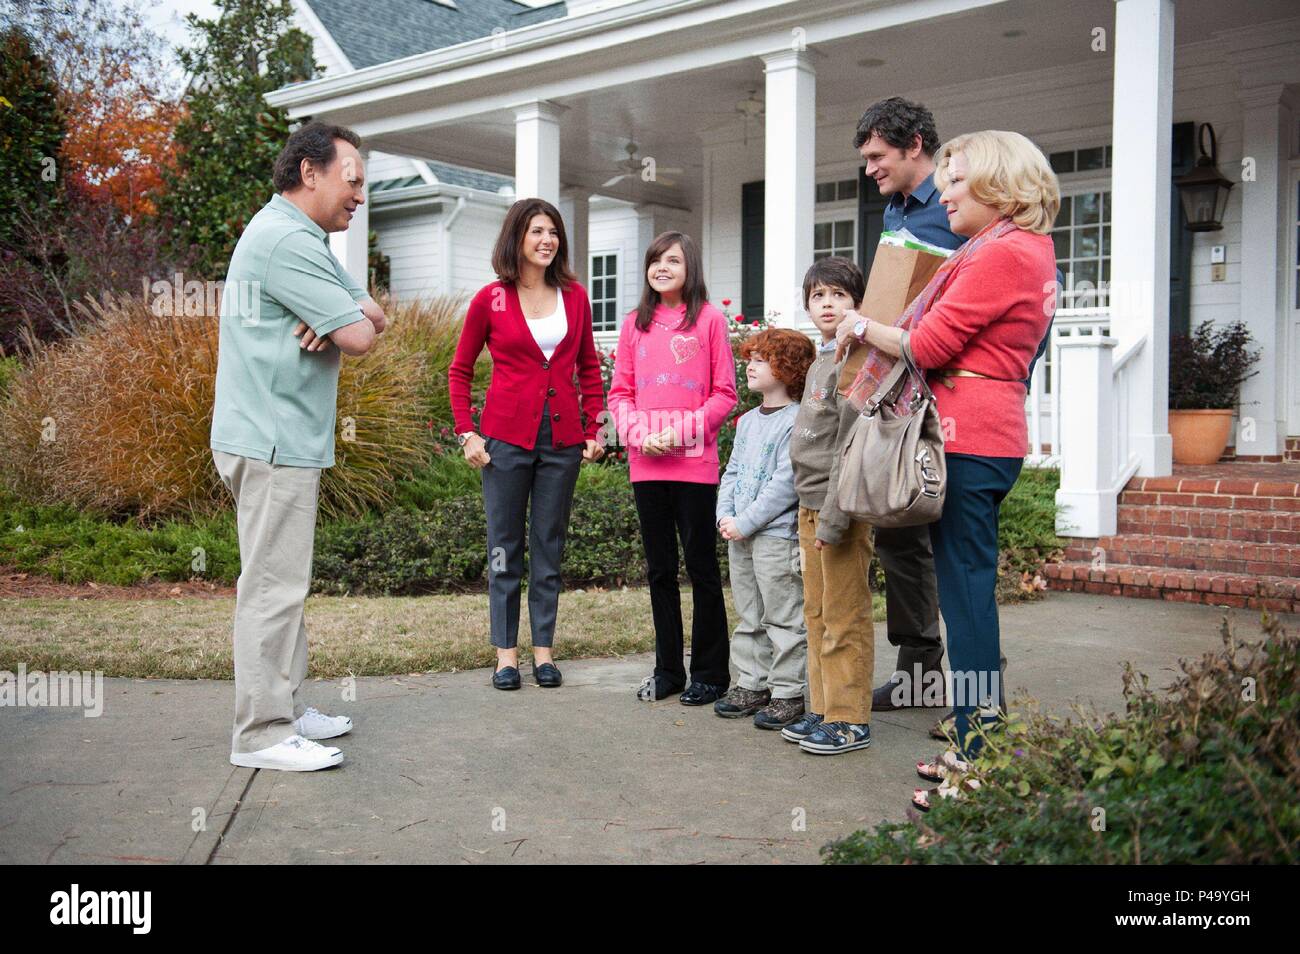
(1082, 239)
(1082, 230)
(604, 291)
(835, 224)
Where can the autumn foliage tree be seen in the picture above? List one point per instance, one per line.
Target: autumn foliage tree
(88, 226)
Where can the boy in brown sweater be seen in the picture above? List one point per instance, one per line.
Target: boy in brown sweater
(835, 550)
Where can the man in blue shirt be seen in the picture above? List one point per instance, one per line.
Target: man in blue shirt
(898, 140)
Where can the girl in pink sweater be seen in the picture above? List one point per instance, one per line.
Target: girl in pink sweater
(674, 385)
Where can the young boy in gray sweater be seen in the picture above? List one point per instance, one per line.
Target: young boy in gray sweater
(758, 516)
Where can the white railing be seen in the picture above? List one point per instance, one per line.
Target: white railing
(1096, 453)
(1043, 402)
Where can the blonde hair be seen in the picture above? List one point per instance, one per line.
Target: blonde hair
(1007, 172)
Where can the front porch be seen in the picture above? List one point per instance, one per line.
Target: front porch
(732, 120)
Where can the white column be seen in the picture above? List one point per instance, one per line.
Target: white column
(790, 177)
(648, 219)
(1086, 499)
(1266, 117)
(351, 246)
(537, 151)
(575, 207)
(1139, 262)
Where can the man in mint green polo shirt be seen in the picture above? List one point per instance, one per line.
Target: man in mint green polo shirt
(287, 311)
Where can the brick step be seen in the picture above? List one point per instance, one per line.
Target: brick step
(1246, 526)
(1273, 496)
(1292, 449)
(1197, 556)
(1274, 593)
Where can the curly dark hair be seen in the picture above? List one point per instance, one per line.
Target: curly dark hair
(898, 122)
(789, 352)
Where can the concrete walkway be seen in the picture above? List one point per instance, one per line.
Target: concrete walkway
(444, 769)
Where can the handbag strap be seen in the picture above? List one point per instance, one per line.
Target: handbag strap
(892, 386)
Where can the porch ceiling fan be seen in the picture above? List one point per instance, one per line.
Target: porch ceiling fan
(751, 107)
(633, 168)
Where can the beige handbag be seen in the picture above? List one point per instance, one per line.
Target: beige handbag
(892, 470)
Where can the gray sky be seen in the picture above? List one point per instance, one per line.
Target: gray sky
(166, 17)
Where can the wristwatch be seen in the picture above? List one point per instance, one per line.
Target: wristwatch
(462, 438)
(860, 328)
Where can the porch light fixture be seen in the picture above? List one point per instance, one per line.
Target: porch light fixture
(1204, 190)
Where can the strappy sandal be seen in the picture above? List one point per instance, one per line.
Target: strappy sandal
(938, 769)
(921, 797)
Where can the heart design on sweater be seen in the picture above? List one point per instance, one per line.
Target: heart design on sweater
(684, 347)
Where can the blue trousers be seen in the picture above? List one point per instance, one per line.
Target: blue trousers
(545, 475)
(965, 539)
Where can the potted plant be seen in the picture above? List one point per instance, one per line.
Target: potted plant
(1206, 369)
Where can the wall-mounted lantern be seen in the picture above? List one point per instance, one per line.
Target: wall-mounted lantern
(1204, 190)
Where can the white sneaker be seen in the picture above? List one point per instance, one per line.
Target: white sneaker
(294, 754)
(314, 724)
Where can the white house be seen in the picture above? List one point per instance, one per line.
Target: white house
(435, 221)
(752, 105)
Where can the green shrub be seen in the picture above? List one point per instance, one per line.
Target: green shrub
(70, 546)
(433, 540)
(1203, 772)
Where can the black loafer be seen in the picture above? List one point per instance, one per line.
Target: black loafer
(507, 678)
(701, 694)
(547, 676)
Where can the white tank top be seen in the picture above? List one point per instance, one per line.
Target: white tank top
(550, 331)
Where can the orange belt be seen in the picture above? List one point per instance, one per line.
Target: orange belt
(947, 373)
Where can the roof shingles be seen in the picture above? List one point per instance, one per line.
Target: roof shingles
(378, 31)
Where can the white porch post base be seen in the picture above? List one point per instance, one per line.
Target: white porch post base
(1155, 451)
(1269, 436)
(1087, 495)
(1087, 513)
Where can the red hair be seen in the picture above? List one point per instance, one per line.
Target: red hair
(789, 352)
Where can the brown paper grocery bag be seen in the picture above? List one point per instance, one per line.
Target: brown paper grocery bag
(897, 276)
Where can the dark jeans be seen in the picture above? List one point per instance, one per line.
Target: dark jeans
(546, 474)
(966, 559)
(667, 509)
(911, 597)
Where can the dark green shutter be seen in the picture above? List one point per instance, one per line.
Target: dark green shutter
(751, 250)
(871, 219)
(1180, 240)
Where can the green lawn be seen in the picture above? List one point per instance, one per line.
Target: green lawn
(189, 638)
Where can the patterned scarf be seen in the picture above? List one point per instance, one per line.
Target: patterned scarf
(878, 364)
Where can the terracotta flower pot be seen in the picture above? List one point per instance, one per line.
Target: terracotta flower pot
(1199, 437)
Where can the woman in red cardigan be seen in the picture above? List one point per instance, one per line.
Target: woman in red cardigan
(537, 427)
(977, 327)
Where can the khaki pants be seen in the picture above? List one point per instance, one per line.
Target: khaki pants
(769, 647)
(276, 512)
(837, 610)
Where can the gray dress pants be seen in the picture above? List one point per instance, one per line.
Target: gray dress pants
(547, 476)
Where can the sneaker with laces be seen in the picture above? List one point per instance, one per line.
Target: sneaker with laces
(779, 713)
(832, 738)
(314, 724)
(294, 754)
(800, 730)
(740, 702)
